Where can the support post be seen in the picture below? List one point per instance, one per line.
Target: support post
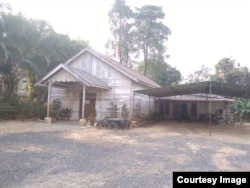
(133, 108)
(149, 108)
(83, 120)
(48, 119)
(48, 101)
(102, 112)
(83, 101)
(210, 108)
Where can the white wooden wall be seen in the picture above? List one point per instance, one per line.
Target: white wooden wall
(121, 91)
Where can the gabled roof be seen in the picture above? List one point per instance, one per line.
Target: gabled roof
(82, 76)
(133, 75)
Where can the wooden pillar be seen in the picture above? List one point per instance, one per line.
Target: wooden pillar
(102, 112)
(149, 108)
(210, 108)
(48, 119)
(48, 100)
(133, 107)
(83, 100)
(83, 121)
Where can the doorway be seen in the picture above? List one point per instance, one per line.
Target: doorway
(90, 99)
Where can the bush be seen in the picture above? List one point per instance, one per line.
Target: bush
(125, 111)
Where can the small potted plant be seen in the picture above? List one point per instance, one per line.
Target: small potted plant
(55, 109)
(65, 113)
(53, 115)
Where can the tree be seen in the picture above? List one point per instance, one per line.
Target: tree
(162, 73)
(229, 71)
(9, 56)
(31, 48)
(9, 68)
(120, 18)
(25, 35)
(59, 47)
(172, 76)
(200, 75)
(150, 34)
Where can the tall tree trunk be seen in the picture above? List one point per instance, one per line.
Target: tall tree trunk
(145, 59)
(119, 44)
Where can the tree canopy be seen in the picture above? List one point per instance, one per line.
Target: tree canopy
(151, 34)
(139, 37)
(227, 70)
(162, 73)
(30, 48)
(120, 17)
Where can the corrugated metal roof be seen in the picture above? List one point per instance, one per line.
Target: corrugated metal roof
(82, 76)
(87, 78)
(200, 98)
(217, 88)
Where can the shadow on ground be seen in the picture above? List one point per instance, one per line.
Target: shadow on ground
(65, 156)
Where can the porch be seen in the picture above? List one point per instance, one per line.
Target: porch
(78, 90)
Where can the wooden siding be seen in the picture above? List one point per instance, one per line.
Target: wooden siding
(63, 76)
(121, 92)
(69, 98)
(142, 104)
(93, 65)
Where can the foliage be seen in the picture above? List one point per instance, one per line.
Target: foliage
(35, 108)
(31, 108)
(9, 64)
(14, 100)
(228, 71)
(200, 75)
(113, 109)
(125, 111)
(56, 104)
(55, 108)
(139, 34)
(242, 108)
(150, 34)
(31, 48)
(120, 17)
(65, 112)
(162, 73)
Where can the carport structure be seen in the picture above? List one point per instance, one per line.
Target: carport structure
(208, 88)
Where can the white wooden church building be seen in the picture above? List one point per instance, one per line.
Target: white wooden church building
(90, 80)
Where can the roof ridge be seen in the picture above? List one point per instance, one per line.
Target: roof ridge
(132, 74)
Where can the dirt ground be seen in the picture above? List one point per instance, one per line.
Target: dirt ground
(64, 154)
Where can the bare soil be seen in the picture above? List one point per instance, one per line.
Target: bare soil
(64, 154)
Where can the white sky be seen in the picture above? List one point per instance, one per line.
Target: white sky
(203, 31)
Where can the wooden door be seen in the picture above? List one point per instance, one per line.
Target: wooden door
(90, 99)
(89, 107)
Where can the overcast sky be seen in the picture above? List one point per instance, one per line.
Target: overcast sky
(203, 31)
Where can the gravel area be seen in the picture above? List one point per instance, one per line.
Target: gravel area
(35, 154)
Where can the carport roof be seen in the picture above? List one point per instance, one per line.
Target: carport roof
(217, 88)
